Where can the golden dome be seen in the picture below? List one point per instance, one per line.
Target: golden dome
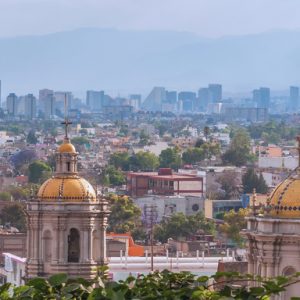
(66, 147)
(285, 199)
(66, 189)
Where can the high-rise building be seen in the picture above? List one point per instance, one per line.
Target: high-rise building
(154, 100)
(187, 99)
(202, 100)
(135, 100)
(171, 97)
(261, 97)
(95, 100)
(293, 103)
(215, 92)
(59, 98)
(30, 106)
(12, 103)
(46, 103)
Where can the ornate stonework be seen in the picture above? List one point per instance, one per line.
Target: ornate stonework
(66, 222)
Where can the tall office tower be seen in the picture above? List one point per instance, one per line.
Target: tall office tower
(187, 99)
(0, 94)
(46, 103)
(30, 107)
(202, 100)
(261, 97)
(59, 100)
(95, 100)
(12, 103)
(215, 92)
(135, 100)
(171, 97)
(154, 100)
(293, 104)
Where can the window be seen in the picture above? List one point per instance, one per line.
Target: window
(68, 166)
(73, 246)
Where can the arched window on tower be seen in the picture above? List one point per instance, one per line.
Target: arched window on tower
(73, 245)
(68, 166)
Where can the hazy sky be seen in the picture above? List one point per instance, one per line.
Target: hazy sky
(211, 18)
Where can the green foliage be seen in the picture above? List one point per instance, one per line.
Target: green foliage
(144, 138)
(38, 172)
(31, 138)
(251, 180)
(239, 151)
(143, 161)
(14, 214)
(234, 222)
(179, 226)
(112, 176)
(170, 158)
(273, 132)
(80, 140)
(163, 285)
(196, 154)
(124, 216)
(5, 196)
(120, 160)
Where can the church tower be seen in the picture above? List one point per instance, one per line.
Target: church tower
(274, 237)
(66, 222)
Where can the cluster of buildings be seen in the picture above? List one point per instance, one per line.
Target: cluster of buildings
(208, 100)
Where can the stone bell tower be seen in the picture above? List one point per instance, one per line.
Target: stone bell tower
(67, 222)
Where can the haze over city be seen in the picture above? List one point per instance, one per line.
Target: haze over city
(130, 46)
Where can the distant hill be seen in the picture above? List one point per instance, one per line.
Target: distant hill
(138, 60)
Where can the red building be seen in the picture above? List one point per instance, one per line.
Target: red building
(163, 182)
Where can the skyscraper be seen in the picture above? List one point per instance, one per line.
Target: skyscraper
(95, 100)
(261, 97)
(215, 92)
(12, 103)
(154, 100)
(187, 99)
(293, 103)
(46, 103)
(203, 99)
(30, 107)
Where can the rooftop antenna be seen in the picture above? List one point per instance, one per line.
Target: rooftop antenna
(66, 121)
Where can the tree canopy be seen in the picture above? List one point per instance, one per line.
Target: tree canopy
(252, 181)
(234, 222)
(38, 171)
(31, 137)
(238, 153)
(179, 226)
(14, 215)
(170, 158)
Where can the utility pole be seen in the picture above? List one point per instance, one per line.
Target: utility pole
(150, 213)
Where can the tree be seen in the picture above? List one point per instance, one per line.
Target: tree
(179, 226)
(5, 196)
(230, 185)
(234, 222)
(144, 161)
(120, 160)
(239, 150)
(31, 138)
(170, 158)
(112, 176)
(144, 138)
(193, 155)
(23, 157)
(124, 216)
(163, 285)
(251, 181)
(80, 140)
(38, 172)
(15, 216)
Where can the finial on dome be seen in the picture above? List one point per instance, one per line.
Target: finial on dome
(66, 121)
